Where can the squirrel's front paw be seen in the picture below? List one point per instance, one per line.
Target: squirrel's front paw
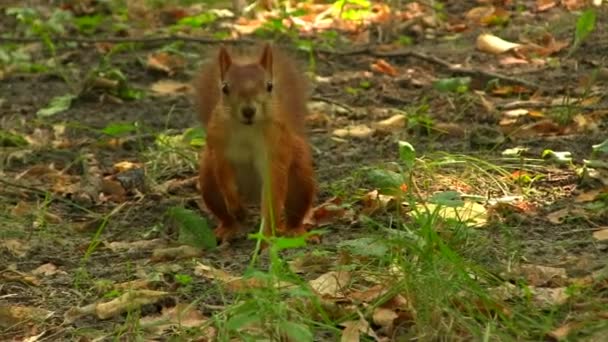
(225, 233)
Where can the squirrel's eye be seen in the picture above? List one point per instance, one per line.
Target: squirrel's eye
(225, 89)
(269, 86)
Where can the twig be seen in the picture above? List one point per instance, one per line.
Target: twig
(150, 39)
(349, 109)
(540, 104)
(456, 69)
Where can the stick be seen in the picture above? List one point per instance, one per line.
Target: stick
(150, 39)
(455, 69)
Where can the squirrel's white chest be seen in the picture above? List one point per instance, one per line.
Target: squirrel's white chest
(246, 151)
(245, 146)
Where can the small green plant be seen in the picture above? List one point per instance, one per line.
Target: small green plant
(88, 24)
(457, 85)
(405, 40)
(183, 279)
(420, 120)
(35, 25)
(584, 26)
(193, 229)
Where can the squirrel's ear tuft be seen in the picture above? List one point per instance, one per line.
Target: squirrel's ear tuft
(224, 60)
(266, 58)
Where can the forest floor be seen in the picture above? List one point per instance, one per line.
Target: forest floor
(85, 192)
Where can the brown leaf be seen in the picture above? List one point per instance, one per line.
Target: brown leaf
(384, 67)
(589, 196)
(310, 262)
(325, 213)
(538, 275)
(16, 247)
(128, 301)
(170, 87)
(558, 216)
(548, 297)
(356, 131)
(15, 276)
(163, 61)
(136, 284)
(368, 295)
(384, 317)
(374, 201)
(181, 315)
(393, 123)
(353, 330)
(11, 315)
(544, 5)
(562, 332)
(601, 235)
(476, 14)
(331, 284)
(47, 269)
(234, 283)
(111, 189)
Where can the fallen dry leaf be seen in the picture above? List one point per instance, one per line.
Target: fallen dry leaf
(356, 131)
(23, 208)
(165, 62)
(544, 5)
(47, 269)
(181, 315)
(353, 330)
(558, 216)
(538, 275)
(126, 165)
(384, 317)
(331, 284)
(563, 331)
(393, 123)
(374, 201)
(133, 285)
(175, 253)
(112, 190)
(547, 297)
(310, 262)
(476, 14)
(473, 213)
(16, 276)
(234, 283)
(368, 295)
(492, 44)
(384, 67)
(170, 87)
(134, 246)
(16, 247)
(11, 315)
(329, 211)
(601, 235)
(128, 301)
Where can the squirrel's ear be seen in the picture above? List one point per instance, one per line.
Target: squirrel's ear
(266, 58)
(224, 60)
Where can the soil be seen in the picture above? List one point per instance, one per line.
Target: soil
(336, 162)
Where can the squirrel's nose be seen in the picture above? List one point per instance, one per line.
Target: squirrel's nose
(248, 112)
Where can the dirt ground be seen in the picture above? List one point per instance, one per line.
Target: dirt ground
(568, 245)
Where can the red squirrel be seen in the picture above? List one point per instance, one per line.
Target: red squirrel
(253, 107)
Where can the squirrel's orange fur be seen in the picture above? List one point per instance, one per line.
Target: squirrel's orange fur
(253, 108)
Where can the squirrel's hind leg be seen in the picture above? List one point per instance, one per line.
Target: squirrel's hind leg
(213, 197)
(301, 191)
